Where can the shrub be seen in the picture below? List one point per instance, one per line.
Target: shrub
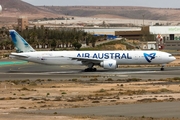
(74, 79)
(164, 90)
(94, 79)
(47, 94)
(112, 89)
(63, 93)
(49, 80)
(176, 78)
(109, 79)
(102, 90)
(33, 83)
(24, 88)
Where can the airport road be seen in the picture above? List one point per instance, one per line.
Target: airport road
(36, 71)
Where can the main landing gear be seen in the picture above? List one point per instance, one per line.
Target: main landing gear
(162, 68)
(90, 68)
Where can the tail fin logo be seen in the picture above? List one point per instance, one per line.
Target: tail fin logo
(149, 57)
(20, 43)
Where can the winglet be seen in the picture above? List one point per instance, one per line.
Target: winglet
(19, 42)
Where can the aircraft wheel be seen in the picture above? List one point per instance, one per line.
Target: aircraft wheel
(94, 69)
(86, 70)
(162, 69)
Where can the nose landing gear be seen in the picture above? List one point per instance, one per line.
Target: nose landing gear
(162, 68)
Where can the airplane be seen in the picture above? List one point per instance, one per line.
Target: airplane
(106, 59)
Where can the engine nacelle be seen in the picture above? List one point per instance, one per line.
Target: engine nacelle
(109, 64)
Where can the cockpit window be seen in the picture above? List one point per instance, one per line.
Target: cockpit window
(170, 55)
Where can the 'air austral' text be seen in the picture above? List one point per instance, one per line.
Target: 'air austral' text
(105, 55)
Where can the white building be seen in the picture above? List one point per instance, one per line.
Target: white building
(170, 34)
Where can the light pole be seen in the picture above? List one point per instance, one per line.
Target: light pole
(143, 28)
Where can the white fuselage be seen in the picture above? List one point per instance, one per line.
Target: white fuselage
(121, 57)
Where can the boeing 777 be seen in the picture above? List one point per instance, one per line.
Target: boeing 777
(105, 59)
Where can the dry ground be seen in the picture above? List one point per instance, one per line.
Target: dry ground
(17, 96)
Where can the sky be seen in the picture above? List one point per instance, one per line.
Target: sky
(145, 3)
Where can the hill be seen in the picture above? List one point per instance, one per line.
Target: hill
(15, 8)
(117, 12)
(18, 6)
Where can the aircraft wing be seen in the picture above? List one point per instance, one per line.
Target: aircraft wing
(86, 59)
(77, 58)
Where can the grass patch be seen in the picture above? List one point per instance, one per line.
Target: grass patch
(135, 92)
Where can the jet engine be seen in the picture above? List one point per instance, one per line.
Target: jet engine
(109, 64)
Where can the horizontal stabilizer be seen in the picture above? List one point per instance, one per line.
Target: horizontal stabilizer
(18, 55)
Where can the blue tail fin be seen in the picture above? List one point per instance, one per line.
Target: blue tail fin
(19, 42)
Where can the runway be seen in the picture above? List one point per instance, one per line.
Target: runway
(37, 71)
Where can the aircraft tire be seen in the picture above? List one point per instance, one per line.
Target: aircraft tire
(162, 69)
(94, 69)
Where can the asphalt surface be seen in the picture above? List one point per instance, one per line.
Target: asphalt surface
(36, 71)
(160, 110)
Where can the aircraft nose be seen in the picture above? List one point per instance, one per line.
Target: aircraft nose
(174, 58)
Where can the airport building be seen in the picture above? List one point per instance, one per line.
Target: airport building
(170, 36)
(165, 37)
(23, 23)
